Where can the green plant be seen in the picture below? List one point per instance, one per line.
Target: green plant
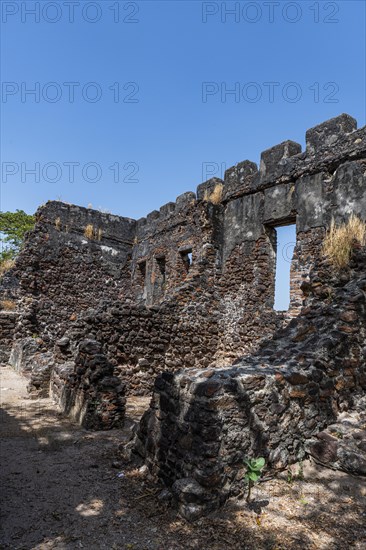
(290, 476)
(303, 500)
(254, 472)
(300, 472)
(13, 227)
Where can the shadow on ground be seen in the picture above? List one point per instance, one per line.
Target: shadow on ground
(65, 488)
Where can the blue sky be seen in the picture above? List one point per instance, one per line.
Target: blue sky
(143, 126)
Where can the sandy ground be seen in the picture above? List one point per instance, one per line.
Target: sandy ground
(65, 488)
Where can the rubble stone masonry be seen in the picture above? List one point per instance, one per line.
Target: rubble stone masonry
(169, 303)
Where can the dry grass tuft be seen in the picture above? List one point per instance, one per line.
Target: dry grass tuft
(7, 305)
(5, 266)
(91, 232)
(339, 241)
(216, 196)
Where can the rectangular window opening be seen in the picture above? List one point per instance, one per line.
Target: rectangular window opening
(186, 256)
(141, 278)
(161, 262)
(141, 271)
(285, 242)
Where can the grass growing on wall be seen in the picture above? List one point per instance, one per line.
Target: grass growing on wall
(91, 232)
(340, 240)
(216, 196)
(7, 305)
(6, 265)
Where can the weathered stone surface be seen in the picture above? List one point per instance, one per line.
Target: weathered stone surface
(343, 444)
(8, 321)
(21, 358)
(239, 178)
(42, 367)
(194, 500)
(273, 158)
(205, 189)
(309, 198)
(329, 132)
(30, 358)
(191, 286)
(279, 203)
(275, 403)
(87, 390)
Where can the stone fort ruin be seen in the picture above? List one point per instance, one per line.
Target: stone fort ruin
(179, 305)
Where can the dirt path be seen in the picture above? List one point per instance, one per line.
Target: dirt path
(65, 488)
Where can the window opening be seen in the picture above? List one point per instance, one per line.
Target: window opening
(285, 245)
(186, 256)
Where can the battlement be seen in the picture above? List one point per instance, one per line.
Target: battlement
(327, 145)
(206, 263)
(290, 186)
(180, 304)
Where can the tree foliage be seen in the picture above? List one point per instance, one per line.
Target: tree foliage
(13, 227)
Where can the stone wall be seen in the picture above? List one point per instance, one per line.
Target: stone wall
(173, 248)
(88, 390)
(221, 305)
(74, 257)
(181, 302)
(31, 358)
(190, 285)
(8, 320)
(202, 424)
(143, 341)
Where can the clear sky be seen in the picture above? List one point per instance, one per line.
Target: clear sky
(131, 104)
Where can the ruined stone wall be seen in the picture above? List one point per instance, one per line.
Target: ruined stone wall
(203, 423)
(192, 284)
(9, 314)
(166, 324)
(8, 320)
(74, 258)
(172, 247)
(142, 342)
(222, 306)
(88, 390)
